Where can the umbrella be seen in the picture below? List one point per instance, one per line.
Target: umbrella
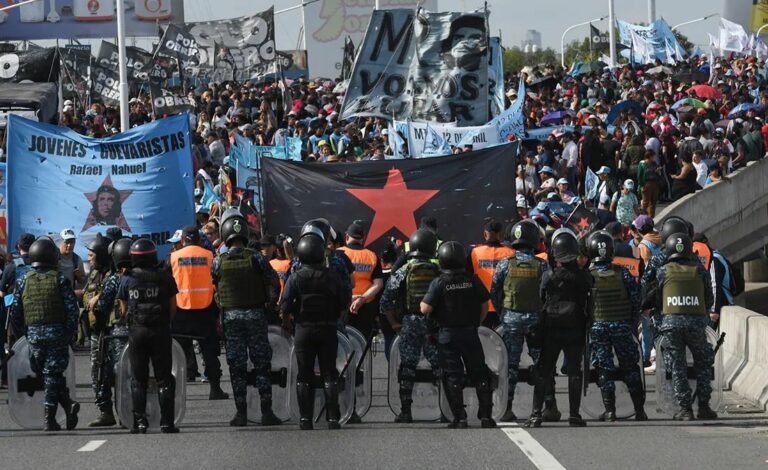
(693, 102)
(723, 124)
(542, 83)
(634, 106)
(586, 68)
(660, 69)
(743, 108)
(706, 92)
(555, 117)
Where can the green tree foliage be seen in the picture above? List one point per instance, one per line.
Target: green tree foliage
(515, 59)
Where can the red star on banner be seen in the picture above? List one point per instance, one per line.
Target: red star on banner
(120, 220)
(240, 194)
(583, 223)
(394, 205)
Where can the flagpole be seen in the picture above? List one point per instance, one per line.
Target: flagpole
(122, 66)
(612, 34)
(568, 29)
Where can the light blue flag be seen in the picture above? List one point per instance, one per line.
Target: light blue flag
(248, 178)
(434, 144)
(140, 181)
(591, 182)
(511, 121)
(469, 137)
(247, 154)
(209, 195)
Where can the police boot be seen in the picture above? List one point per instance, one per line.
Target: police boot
(216, 392)
(355, 418)
(485, 405)
(455, 395)
(509, 415)
(638, 400)
(167, 415)
(306, 397)
(551, 414)
(106, 418)
(50, 423)
(405, 407)
(139, 397)
(332, 413)
(574, 402)
(268, 417)
(71, 408)
(241, 415)
(705, 412)
(684, 414)
(534, 421)
(609, 402)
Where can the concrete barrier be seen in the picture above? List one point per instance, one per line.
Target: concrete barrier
(734, 322)
(752, 380)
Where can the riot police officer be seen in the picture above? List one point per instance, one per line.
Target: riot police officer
(685, 298)
(515, 293)
(458, 302)
(564, 294)
(148, 296)
(45, 302)
(409, 285)
(244, 282)
(314, 296)
(615, 309)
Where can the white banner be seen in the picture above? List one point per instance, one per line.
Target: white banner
(487, 135)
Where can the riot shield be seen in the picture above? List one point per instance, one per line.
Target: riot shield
(665, 396)
(523, 393)
(281, 358)
(426, 392)
(364, 372)
(124, 402)
(25, 389)
(496, 359)
(592, 403)
(346, 382)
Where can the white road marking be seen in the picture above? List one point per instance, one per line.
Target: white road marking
(91, 446)
(535, 452)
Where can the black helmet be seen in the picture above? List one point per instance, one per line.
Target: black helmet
(100, 248)
(143, 253)
(423, 243)
(311, 249)
(675, 224)
(121, 253)
(565, 246)
(319, 227)
(233, 228)
(452, 257)
(43, 253)
(525, 234)
(678, 246)
(600, 247)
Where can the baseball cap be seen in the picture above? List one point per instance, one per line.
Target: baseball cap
(643, 223)
(68, 234)
(604, 170)
(322, 142)
(547, 169)
(356, 230)
(562, 181)
(522, 202)
(629, 184)
(176, 238)
(191, 234)
(605, 199)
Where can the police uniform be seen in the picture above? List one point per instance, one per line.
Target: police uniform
(483, 260)
(367, 269)
(94, 286)
(339, 263)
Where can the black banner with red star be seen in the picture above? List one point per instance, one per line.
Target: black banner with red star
(391, 196)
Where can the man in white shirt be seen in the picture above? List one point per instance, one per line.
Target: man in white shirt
(702, 169)
(571, 157)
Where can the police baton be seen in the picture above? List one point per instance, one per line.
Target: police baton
(341, 374)
(362, 356)
(719, 343)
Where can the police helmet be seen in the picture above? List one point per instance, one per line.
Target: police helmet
(600, 247)
(44, 253)
(678, 246)
(526, 234)
(234, 228)
(310, 249)
(565, 246)
(143, 253)
(121, 253)
(423, 243)
(99, 247)
(675, 224)
(231, 212)
(452, 257)
(320, 227)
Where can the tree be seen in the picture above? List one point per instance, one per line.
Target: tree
(684, 42)
(515, 59)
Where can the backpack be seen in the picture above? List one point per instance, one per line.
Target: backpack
(418, 277)
(733, 275)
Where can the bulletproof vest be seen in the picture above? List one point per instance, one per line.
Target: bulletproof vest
(319, 299)
(561, 309)
(241, 282)
(419, 274)
(683, 291)
(521, 286)
(92, 288)
(610, 299)
(460, 307)
(42, 300)
(145, 306)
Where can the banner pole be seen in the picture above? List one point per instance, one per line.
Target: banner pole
(122, 66)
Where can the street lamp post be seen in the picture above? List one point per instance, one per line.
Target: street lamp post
(704, 18)
(122, 66)
(562, 40)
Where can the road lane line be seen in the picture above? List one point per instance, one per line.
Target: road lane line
(91, 446)
(535, 452)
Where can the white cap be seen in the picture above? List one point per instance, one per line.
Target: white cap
(522, 202)
(629, 184)
(562, 181)
(68, 234)
(605, 199)
(604, 170)
(176, 238)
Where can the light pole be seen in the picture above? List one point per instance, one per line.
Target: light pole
(651, 11)
(611, 34)
(122, 66)
(562, 40)
(761, 29)
(704, 18)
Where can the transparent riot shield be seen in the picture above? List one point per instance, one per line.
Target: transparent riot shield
(665, 396)
(496, 359)
(281, 358)
(25, 389)
(523, 393)
(346, 382)
(426, 392)
(124, 401)
(592, 403)
(364, 372)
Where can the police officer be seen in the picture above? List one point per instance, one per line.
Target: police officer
(458, 302)
(426, 223)
(245, 282)
(197, 312)
(11, 272)
(564, 294)
(684, 297)
(408, 286)
(615, 310)
(148, 297)
(369, 280)
(483, 260)
(46, 303)
(515, 293)
(107, 310)
(313, 295)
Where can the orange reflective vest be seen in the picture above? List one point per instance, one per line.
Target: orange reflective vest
(281, 267)
(704, 253)
(364, 261)
(631, 264)
(484, 260)
(191, 267)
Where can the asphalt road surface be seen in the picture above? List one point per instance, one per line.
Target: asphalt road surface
(737, 440)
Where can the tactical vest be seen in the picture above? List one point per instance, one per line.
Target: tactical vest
(42, 301)
(241, 282)
(459, 307)
(145, 306)
(419, 275)
(521, 286)
(318, 296)
(92, 288)
(611, 302)
(560, 309)
(683, 291)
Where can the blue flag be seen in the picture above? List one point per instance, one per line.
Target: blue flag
(435, 144)
(591, 182)
(511, 121)
(139, 181)
(248, 178)
(209, 195)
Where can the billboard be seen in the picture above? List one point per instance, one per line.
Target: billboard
(64, 19)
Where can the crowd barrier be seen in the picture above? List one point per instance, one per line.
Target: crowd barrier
(745, 353)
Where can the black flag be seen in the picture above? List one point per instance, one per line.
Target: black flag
(392, 195)
(38, 65)
(599, 41)
(349, 58)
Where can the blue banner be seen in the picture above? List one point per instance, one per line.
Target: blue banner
(658, 34)
(139, 181)
(3, 207)
(248, 178)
